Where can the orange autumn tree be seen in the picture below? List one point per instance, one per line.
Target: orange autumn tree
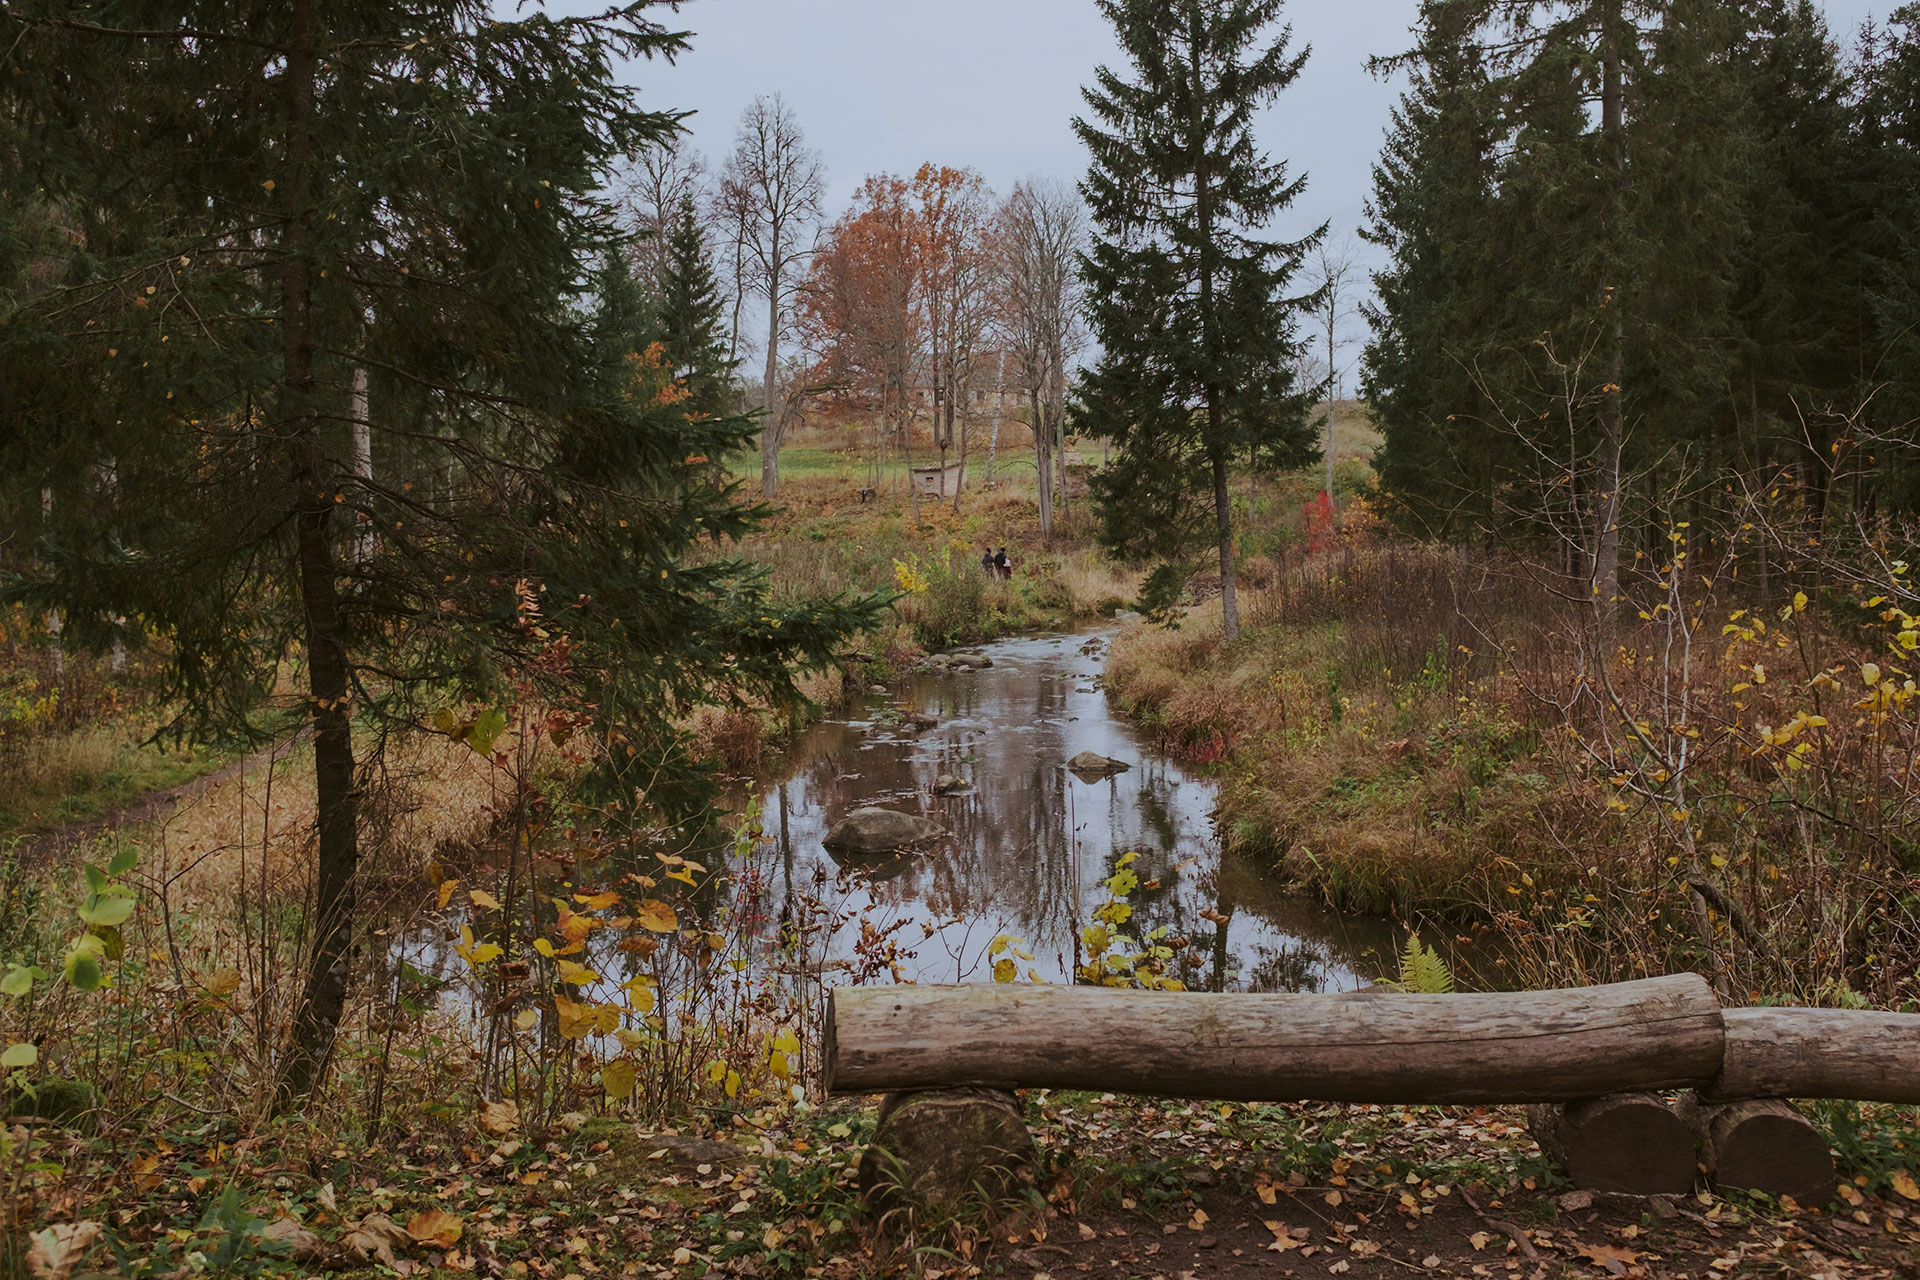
(862, 312)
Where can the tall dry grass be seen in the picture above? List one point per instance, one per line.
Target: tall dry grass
(1412, 730)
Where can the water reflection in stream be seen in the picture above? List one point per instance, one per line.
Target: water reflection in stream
(1030, 842)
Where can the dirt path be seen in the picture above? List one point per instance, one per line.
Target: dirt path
(152, 807)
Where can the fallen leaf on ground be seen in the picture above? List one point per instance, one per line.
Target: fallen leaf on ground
(302, 1244)
(1575, 1200)
(375, 1237)
(499, 1118)
(59, 1250)
(1609, 1257)
(435, 1227)
(1903, 1184)
(1282, 1239)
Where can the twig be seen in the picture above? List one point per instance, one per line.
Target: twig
(1504, 1227)
(182, 1102)
(1731, 910)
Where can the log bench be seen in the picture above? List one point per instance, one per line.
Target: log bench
(1635, 1086)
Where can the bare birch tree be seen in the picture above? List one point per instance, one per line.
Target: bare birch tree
(777, 183)
(1332, 276)
(658, 181)
(953, 215)
(1039, 233)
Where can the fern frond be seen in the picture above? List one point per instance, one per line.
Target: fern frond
(1422, 971)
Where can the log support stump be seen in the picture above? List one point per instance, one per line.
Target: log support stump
(1766, 1145)
(1629, 1143)
(950, 1151)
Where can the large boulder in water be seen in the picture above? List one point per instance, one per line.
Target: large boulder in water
(1090, 765)
(881, 831)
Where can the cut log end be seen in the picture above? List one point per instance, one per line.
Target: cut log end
(1766, 1145)
(1631, 1143)
(950, 1152)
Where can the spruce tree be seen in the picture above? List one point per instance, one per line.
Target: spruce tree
(691, 316)
(1890, 122)
(1431, 207)
(1801, 310)
(264, 198)
(1187, 296)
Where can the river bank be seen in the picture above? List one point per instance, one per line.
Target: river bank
(1406, 729)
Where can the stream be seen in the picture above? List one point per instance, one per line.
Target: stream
(1029, 843)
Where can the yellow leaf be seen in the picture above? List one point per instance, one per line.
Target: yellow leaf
(1903, 1184)
(481, 898)
(435, 1227)
(1004, 970)
(446, 892)
(656, 916)
(576, 975)
(618, 1078)
(526, 1019)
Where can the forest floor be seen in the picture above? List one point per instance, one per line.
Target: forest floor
(1124, 1187)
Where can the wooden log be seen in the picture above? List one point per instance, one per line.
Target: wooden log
(1372, 1046)
(1821, 1053)
(946, 1151)
(1765, 1145)
(1633, 1143)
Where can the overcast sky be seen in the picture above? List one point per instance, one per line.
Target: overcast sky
(886, 85)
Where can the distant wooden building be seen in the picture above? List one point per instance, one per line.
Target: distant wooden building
(937, 482)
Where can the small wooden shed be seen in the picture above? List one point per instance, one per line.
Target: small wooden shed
(937, 482)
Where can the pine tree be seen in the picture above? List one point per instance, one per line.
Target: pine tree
(691, 316)
(266, 198)
(1187, 299)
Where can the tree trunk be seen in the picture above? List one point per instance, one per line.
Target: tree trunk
(1821, 1053)
(1042, 465)
(770, 429)
(1060, 451)
(960, 483)
(1605, 588)
(1223, 519)
(1765, 1145)
(1632, 1143)
(1373, 1046)
(56, 656)
(906, 450)
(999, 399)
(949, 1150)
(316, 1018)
(362, 469)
